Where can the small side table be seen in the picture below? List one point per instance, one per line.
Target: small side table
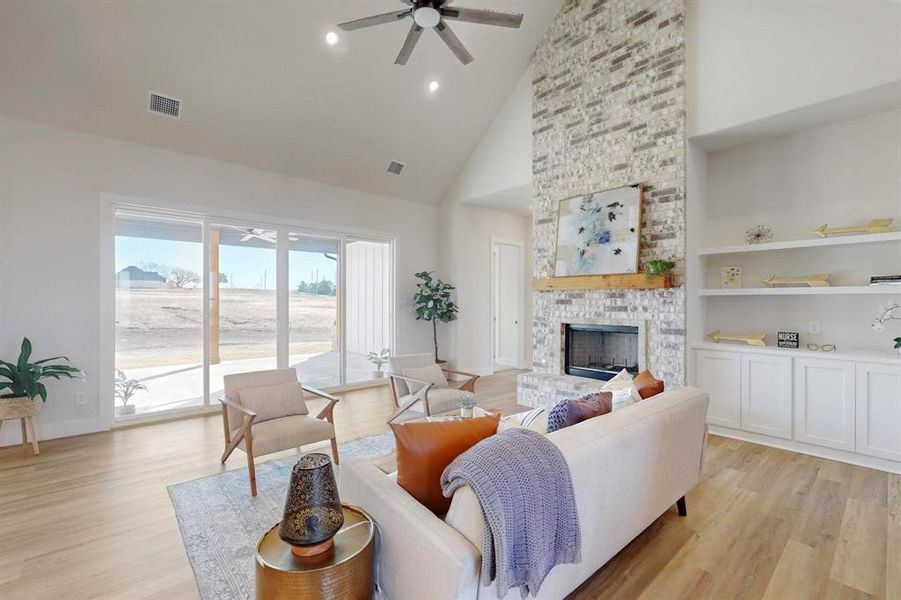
(345, 575)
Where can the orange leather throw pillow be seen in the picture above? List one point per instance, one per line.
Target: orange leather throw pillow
(424, 449)
(647, 385)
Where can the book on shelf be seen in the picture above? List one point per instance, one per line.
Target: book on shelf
(885, 280)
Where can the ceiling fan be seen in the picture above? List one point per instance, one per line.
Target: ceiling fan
(431, 14)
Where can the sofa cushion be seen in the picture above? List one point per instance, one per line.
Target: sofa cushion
(535, 419)
(430, 374)
(623, 388)
(571, 411)
(274, 401)
(647, 385)
(424, 449)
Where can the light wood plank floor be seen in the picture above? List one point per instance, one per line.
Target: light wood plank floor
(91, 518)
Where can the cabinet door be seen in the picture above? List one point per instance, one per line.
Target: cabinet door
(719, 374)
(766, 394)
(879, 410)
(824, 402)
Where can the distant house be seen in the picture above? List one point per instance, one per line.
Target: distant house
(134, 277)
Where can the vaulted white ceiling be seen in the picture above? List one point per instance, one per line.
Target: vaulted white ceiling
(261, 88)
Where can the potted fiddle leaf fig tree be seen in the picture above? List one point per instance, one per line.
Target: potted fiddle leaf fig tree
(433, 302)
(22, 395)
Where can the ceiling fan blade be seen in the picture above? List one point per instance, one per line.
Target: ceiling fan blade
(409, 43)
(453, 42)
(376, 20)
(484, 17)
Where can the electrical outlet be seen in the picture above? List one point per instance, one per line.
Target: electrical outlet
(815, 327)
(80, 398)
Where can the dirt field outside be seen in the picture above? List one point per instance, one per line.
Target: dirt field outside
(157, 327)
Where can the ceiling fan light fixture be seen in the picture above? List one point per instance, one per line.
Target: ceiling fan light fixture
(426, 16)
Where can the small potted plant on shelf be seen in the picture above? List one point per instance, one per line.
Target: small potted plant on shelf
(125, 389)
(467, 403)
(378, 359)
(25, 395)
(658, 267)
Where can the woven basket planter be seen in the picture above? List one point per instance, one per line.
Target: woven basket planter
(19, 408)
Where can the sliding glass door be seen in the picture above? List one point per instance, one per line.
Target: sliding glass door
(197, 299)
(314, 339)
(243, 302)
(159, 314)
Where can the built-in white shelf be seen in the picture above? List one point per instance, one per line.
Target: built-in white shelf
(871, 238)
(804, 291)
(854, 354)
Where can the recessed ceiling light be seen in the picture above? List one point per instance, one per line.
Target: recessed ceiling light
(331, 38)
(433, 86)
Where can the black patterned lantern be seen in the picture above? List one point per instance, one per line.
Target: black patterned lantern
(313, 513)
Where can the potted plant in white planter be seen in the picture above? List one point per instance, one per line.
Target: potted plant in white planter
(125, 389)
(467, 403)
(25, 395)
(378, 359)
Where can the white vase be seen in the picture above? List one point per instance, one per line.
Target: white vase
(465, 412)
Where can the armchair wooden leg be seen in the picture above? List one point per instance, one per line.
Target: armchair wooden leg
(680, 506)
(251, 470)
(335, 450)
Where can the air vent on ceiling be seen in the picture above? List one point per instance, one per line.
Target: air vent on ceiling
(395, 167)
(164, 105)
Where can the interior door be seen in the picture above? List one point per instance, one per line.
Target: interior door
(508, 299)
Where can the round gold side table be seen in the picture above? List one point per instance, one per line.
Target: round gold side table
(344, 575)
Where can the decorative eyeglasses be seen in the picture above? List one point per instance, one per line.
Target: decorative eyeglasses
(823, 348)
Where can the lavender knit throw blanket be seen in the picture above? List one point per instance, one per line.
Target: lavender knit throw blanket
(524, 486)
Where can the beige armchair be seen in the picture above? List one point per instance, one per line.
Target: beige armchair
(428, 399)
(257, 438)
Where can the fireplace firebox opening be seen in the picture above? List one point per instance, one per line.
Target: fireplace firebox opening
(600, 351)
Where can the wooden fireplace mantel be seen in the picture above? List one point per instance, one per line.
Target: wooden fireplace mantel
(627, 281)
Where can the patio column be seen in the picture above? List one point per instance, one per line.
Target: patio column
(214, 297)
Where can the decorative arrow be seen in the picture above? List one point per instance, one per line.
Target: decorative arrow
(874, 226)
(816, 280)
(751, 339)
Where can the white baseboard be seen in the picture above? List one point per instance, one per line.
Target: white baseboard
(853, 458)
(10, 433)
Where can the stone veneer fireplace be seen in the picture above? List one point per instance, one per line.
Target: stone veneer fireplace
(609, 111)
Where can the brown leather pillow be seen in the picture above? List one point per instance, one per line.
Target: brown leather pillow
(424, 449)
(647, 385)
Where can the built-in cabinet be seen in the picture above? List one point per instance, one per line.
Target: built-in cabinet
(878, 410)
(824, 402)
(842, 403)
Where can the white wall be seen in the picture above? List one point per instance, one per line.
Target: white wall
(491, 197)
(748, 59)
(502, 160)
(51, 181)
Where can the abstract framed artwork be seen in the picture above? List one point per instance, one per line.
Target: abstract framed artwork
(598, 233)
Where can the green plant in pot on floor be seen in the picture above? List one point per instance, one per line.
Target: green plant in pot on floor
(433, 302)
(125, 389)
(22, 395)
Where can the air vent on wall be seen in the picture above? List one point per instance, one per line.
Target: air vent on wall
(395, 167)
(163, 105)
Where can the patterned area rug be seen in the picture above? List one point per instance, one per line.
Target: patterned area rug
(221, 522)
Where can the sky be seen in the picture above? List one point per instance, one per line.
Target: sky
(245, 267)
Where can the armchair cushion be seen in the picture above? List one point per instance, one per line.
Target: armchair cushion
(294, 431)
(430, 374)
(440, 400)
(274, 401)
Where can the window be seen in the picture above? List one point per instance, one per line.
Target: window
(159, 314)
(197, 298)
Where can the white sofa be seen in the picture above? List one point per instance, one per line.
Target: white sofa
(628, 468)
